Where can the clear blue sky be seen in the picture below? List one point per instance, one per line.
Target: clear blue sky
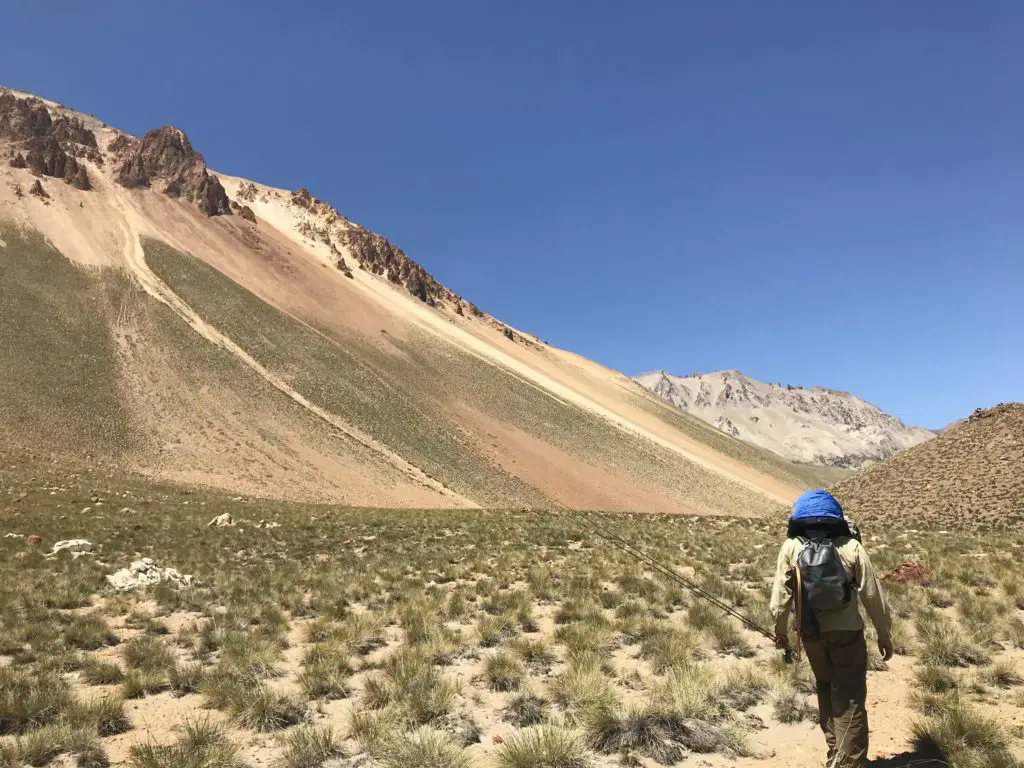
(812, 192)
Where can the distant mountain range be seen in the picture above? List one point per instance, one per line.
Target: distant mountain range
(815, 426)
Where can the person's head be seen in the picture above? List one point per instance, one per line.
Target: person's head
(816, 509)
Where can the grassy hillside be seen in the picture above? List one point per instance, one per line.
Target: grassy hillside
(407, 400)
(970, 476)
(61, 385)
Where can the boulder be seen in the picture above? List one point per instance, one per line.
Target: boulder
(167, 155)
(145, 573)
(76, 547)
(221, 521)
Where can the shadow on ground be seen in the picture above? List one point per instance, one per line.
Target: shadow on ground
(923, 757)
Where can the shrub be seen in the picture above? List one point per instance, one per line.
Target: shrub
(424, 748)
(309, 747)
(964, 737)
(543, 746)
(89, 633)
(525, 710)
(101, 672)
(503, 672)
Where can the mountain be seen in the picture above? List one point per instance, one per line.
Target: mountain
(817, 426)
(195, 327)
(971, 475)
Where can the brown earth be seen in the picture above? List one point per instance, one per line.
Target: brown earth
(971, 475)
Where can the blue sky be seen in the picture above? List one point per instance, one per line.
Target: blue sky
(814, 193)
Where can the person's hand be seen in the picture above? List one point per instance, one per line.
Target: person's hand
(885, 647)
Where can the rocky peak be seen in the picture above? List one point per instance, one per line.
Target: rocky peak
(820, 426)
(50, 145)
(166, 155)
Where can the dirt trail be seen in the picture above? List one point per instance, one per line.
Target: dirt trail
(135, 260)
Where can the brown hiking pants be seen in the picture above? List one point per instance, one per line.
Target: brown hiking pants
(839, 661)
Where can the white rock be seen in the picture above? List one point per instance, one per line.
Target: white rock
(145, 573)
(221, 521)
(76, 547)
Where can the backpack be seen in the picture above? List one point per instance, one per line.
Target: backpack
(826, 587)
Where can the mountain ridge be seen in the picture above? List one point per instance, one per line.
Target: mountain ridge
(815, 425)
(271, 346)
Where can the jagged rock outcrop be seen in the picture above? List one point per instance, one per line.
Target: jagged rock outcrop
(80, 179)
(817, 426)
(377, 255)
(166, 155)
(248, 192)
(51, 146)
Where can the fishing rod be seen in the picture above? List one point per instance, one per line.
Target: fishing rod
(635, 552)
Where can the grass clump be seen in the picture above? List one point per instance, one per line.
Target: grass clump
(409, 681)
(790, 706)
(89, 633)
(543, 746)
(525, 710)
(424, 748)
(503, 672)
(309, 747)
(29, 700)
(200, 745)
(96, 672)
(103, 717)
(265, 710)
(964, 737)
(943, 643)
(580, 691)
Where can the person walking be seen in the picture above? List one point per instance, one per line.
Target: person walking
(821, 567)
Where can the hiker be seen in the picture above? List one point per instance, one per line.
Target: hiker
(824, 555)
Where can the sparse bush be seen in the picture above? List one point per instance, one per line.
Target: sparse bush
(89, 633)
(964, 737)
(503, 672)
(424, 748)
(185, 678)
(201, 745)
(543, 746)
(525, 710)
(264, 710)
(101, 672)
(309, 747)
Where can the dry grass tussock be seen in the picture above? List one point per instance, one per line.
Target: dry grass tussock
(471, 638)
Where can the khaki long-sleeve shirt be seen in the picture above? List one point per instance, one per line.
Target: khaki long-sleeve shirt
(862, 578)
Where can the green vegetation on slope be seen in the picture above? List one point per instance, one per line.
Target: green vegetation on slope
(404, 400)
(342, 378)
(61, 390)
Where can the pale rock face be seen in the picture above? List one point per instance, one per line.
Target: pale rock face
(816, 426)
